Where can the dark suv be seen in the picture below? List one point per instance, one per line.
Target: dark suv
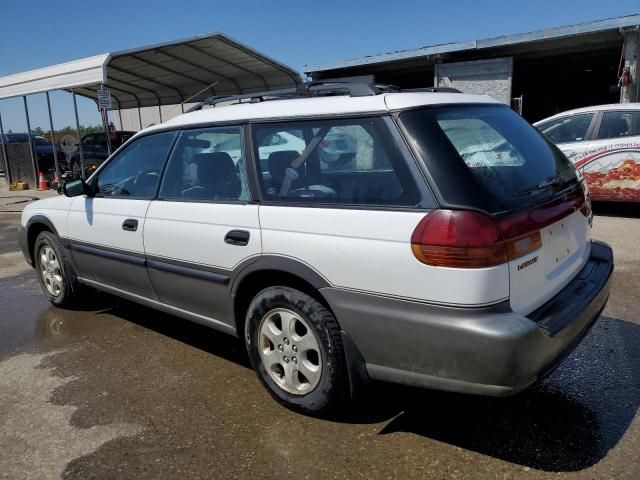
(95, 151)
(43, 149)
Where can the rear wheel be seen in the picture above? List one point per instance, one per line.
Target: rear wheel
(56, 277)
(295, 347)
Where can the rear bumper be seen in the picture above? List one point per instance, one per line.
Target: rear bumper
(488, 351)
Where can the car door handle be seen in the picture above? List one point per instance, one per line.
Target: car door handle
(130, 225)
(237, 237)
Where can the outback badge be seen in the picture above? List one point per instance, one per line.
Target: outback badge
(531, 261)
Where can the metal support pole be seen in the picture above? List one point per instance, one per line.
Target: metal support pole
(120, 117)
(75, 110)
(140, 118)
(5, 155)
(160, 112)
(34, 161)
(105, 124)
(107, 132)
(182, 107)
(55, 147)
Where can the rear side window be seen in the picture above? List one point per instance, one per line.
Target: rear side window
(567, 129)
(348, 162)
(619, 124)
(206, 165)
(487, 157)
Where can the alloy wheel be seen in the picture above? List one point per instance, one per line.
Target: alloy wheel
(290, 351)
(51, 271)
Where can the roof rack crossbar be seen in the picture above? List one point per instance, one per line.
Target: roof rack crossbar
(252, 97)
(433, 90)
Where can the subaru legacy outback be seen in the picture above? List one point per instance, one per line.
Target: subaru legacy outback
(449, 249)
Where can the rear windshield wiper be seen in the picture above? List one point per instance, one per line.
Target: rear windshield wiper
(552, 183)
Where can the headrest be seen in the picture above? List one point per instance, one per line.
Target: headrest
(280, 161)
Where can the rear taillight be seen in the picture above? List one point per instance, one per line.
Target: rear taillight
(458, 238)
(464, 239)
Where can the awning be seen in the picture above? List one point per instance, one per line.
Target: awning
(163, 74)
(85, 71)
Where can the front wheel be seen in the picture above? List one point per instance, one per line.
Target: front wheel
(56, 277)
(295, 347)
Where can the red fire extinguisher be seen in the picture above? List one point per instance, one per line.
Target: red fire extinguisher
(625, 78)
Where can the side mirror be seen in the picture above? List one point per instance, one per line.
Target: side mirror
(75, 188)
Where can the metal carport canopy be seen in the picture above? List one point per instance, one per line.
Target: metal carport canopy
(163, 74)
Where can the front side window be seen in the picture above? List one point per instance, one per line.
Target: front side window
(352, 162)
(207, 165)
(135, 171)
(619, 124)
(567, 129)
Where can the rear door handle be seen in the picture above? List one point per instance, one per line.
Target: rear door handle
(130, 225)
(237, 237)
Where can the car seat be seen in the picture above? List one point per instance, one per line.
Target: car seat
(614, 127)
(216, 178)
(278, 164)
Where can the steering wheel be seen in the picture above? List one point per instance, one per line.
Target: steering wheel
(150, 172)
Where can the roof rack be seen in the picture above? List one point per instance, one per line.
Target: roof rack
(433, 89)
(315, 89)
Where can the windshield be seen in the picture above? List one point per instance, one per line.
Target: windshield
(487, 157)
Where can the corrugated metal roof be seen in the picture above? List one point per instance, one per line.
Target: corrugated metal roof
(505, 40)
(162, 74)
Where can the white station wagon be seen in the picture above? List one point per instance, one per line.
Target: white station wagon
(450, 250)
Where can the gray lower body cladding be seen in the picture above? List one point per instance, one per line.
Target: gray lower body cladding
(488, 351)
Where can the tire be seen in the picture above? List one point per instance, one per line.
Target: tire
(286, 363)
(56, 277)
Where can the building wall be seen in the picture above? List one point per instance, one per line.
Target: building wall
(150, 116)
(485, 77)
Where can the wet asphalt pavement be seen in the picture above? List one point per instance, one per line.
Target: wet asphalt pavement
(115, 390)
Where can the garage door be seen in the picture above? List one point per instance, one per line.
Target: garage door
(488, 77)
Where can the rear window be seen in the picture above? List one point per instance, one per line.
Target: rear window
(487, 157)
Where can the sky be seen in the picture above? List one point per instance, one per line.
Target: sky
(37, 33)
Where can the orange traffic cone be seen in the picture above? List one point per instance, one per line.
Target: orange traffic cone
(42, 182)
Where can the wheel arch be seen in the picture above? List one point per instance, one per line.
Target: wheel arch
(270, 270)
(36, 225)
(276, 270)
